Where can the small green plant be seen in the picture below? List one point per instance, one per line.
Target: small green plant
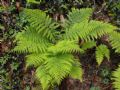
(52, 52)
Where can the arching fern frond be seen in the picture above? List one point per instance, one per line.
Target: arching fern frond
(115, 41)
(88, 45)
(97, 29)
(79, 15)
(43, 76)
(59, 66)
(65, 46)
(101, 52)
(31, 41)
(116, 78)
(76, 71)
(35, 59)
(88, 30)
(41, 22)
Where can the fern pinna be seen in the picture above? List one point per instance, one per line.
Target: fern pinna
(52, 52)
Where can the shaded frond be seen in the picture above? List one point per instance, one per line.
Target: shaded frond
(76, 71)
(101, 52)
(88, 45)
(1, 26)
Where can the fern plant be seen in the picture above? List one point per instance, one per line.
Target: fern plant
(52, 52)
(53, 59)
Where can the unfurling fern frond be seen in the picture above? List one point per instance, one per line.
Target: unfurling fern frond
(115, 41)
(101, 52)
(116, 78)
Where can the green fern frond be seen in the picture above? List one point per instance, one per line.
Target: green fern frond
(83, 28)
(88, 30)
(41, 22)
(35, 59)
(31, 41)
(101, 52)
(115, 41)
(43, 76)
(65, 46)
(116, 78)
(88, 45)
(76, 71)
(97, 29)
(59, 66)
(79, 15)
(76, 31)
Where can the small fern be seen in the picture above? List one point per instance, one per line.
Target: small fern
(52, 55)
(101, 52)
(52, 58)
